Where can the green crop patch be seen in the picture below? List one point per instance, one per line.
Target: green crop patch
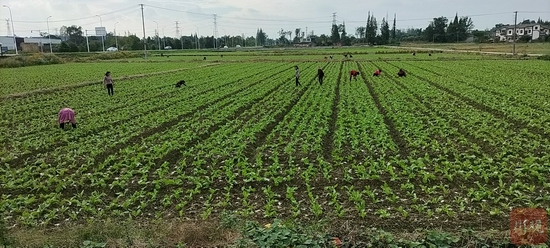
(457, 143)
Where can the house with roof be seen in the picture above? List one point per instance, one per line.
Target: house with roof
(304, 42)
(535, 30)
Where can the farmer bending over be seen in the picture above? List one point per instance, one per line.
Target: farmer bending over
(353, 73)
(377, 72)
(180, 83)
(66, 115)
(401, 73)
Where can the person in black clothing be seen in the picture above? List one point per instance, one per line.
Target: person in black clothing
(320, 75)
(401, 73)
(180, 83)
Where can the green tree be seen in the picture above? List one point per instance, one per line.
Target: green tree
(385, 32)
(74, 34)
(465, 26)
(322, 40)
(262, 37)
(480, 36)
(360, 32)
(371, 29)
(282, 37)
(334, 34)
(64, 47)
(345, 40)
(453, 30)
(436, 31)
(393, 37)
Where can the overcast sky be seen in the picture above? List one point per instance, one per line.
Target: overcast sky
(235, 17)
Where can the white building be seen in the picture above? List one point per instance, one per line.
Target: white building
(535, 30)
(7, 41)
(41, 41)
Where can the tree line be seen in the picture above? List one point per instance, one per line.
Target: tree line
(439, 30)
(74, 40)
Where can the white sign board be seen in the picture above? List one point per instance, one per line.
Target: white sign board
(100, 31)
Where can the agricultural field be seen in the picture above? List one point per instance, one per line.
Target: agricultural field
(456, 144)
(504, 47)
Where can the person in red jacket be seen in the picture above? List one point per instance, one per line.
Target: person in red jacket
(66, 115)
(353, 73)
(377, 72)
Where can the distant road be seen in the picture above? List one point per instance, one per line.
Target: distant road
(460, 51)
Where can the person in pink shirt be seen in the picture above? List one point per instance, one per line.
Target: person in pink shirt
(66, 115)
(108, 81)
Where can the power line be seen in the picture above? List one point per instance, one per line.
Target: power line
(79, 19)
(241, 18)
(175, 10)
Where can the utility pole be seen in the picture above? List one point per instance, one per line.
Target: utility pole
(515, 26)
(215, 29)
(12, 30)
(178, 33)
(8, 24)
(367, 29)
(177, 29)
(49, 35)
(87, 42)
(143, 26)
(157, 34)
(116, 40)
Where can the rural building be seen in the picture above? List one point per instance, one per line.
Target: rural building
(535, 30)
(30, 44)
(37, 44)
(304, 42)
(7, 41)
